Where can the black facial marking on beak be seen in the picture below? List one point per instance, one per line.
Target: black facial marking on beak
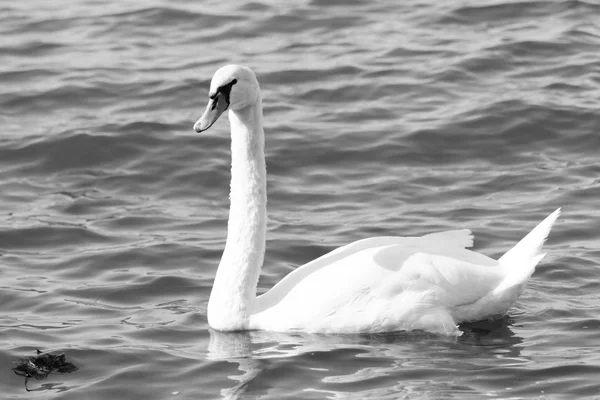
(225, 90)
(218, 103)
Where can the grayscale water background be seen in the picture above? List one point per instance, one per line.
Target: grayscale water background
(382, 118)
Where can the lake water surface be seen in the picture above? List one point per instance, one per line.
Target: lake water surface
(381, 118)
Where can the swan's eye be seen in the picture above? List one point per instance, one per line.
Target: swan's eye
(226, 89)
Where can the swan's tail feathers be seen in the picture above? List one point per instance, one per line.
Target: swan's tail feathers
(521, 260)
(531, 245)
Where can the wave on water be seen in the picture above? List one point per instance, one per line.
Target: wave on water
(381, 119)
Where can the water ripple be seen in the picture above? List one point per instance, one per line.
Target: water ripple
(380, 119)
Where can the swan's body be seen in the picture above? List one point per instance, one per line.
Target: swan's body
(379, 284)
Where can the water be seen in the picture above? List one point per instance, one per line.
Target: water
(381, 119)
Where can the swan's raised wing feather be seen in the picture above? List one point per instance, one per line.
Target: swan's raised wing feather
(459, 238)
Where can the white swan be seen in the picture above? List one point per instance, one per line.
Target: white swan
(380, 284)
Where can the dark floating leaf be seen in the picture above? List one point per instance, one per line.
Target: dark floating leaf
(42, 365)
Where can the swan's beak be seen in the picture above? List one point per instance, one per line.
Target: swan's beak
(216, 105)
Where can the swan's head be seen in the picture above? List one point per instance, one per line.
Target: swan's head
(232, 86)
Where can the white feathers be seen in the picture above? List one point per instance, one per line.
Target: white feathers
(530, 245)
(372, 285)
(520, 261)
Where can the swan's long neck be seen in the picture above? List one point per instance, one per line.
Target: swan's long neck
(234, 291)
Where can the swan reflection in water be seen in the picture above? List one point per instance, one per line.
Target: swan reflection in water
(327, 362)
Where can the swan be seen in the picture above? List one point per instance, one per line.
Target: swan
(379, 284)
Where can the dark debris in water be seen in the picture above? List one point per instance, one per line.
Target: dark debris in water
(42, 365)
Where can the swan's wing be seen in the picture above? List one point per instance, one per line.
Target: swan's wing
(367, 289)
(444, 241)
(332, 298)
(445, 281)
